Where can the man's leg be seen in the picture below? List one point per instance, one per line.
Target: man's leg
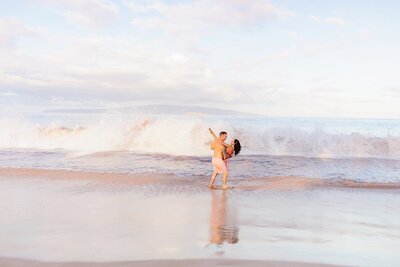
(224, 180)
(213, 176)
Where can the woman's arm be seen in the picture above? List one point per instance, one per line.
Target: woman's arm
(219, 140)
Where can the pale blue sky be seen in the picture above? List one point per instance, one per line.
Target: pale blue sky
(279, 58)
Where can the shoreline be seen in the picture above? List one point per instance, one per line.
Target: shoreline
(15, 262)
(194, 182)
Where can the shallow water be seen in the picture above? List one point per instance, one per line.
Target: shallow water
(243, 166)
(108, 219)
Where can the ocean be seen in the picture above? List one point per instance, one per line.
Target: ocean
(116, 187)
(365, 150)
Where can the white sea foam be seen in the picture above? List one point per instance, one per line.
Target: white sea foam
(188, 135)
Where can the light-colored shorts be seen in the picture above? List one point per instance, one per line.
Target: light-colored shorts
(220, 166)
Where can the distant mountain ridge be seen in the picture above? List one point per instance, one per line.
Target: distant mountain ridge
(160, 109)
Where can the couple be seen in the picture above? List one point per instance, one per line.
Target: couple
(222, 152)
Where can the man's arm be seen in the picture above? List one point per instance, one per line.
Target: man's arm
(224, 144)
(212, 133)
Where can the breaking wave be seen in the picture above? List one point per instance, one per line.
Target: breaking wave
(185, 135)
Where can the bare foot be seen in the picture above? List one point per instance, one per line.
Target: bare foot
(211, 186)
(224, 187)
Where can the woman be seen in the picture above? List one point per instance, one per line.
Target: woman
(230, 151)
(235, 149)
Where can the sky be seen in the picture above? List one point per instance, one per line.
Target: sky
(308, 58)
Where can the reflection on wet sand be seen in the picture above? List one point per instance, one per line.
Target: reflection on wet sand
(104, 219)
(223, 226)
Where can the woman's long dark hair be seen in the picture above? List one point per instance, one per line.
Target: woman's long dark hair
(237, 147)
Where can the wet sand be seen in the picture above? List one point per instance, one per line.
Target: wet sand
(70, 218)
(165, 179)
(159, 263)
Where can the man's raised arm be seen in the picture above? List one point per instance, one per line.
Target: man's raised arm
(212, 133)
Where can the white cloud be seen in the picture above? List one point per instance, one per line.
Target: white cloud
(329, 20)
(12, 28)
(181, 18)
(118, 69)
(109, 68)
(316, 49)
(91, 14)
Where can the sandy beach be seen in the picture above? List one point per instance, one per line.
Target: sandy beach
(73, 218)
(159, 263)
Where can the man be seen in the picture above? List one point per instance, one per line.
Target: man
(219, 147)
